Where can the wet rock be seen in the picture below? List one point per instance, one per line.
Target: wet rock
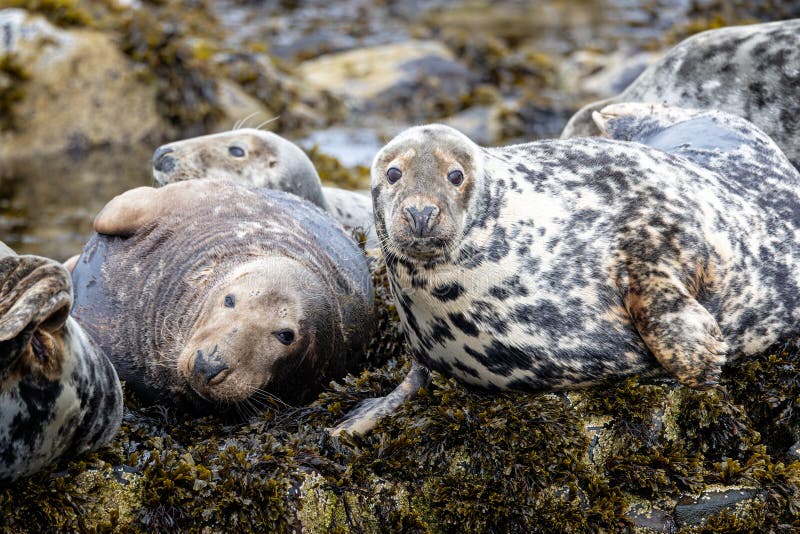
(352, 147)
(79, 91)
(236, 105)
(293, 103)
(480, 123)
(604, 75)
(415, 80)
(794, 450)
(651, 519)
(692, 510)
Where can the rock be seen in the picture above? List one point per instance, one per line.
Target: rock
(651, 518)
(480, 123)
(416, 80)
(236, 105)
(353, 147)
(794, 450)
(604, 75)
(295, 104)
(619, 71)
(692, 510)
(80, 90)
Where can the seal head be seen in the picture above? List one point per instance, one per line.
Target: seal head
(424, 181)
(248, 156)
(256, 324)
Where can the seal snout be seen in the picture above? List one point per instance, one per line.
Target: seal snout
(421, 220)
(162, 161)
(209, 366)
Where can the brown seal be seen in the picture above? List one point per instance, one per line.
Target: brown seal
(214, 290)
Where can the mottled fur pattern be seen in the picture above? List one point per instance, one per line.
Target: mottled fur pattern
(750, 71)
(141, 292)
(261, 159)
(571, 262)
(59, 394)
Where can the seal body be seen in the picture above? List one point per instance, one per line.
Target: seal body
(59, 394)
(559, 264)
(750, 71)
(262, 159)
(211, 290)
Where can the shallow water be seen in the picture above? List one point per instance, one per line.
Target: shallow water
(47, 204)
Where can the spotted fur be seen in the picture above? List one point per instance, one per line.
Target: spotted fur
(751, 71)
(263, 159)
(59, 394)
(569, 262)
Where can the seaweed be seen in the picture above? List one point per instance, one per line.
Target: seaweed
(12, 89)
(63, 13)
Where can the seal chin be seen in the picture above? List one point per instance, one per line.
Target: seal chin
(424, 248)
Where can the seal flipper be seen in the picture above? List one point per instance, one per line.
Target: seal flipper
(35, 293)
(126, 213)
(365, 415)
(681, 333)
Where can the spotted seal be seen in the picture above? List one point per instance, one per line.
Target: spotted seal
(262, 159)
(212, 290)
(751, 71)
(59, 394)
(669, 248)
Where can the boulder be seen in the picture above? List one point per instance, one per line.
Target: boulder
(416, 80)
(80, 91)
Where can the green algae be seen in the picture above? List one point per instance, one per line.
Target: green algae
(13, 76)
(332, 172)
(63, 13)
(164, 42)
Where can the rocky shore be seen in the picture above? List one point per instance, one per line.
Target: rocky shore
(89, 88)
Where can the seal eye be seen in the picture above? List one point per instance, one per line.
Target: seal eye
(456, 178)
(393, 174)
(285, 336)
(230, 301)
(236, 151)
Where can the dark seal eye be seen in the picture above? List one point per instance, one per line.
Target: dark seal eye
(285, 336)
(456, 177)
(230, 301)
(236, 151)
(393, 174)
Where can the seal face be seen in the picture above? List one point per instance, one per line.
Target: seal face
(59, 394)
(262, 159)
(257, 293)
(750, 71)
(556, 264)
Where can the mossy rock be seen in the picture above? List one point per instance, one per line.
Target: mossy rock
(12, 89)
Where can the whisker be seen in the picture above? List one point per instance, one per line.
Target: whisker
(267, 122)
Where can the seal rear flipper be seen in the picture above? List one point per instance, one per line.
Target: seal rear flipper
(366, 414)
(682, 335)
(35, 293)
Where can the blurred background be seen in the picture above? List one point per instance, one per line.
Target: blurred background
(89, 88)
